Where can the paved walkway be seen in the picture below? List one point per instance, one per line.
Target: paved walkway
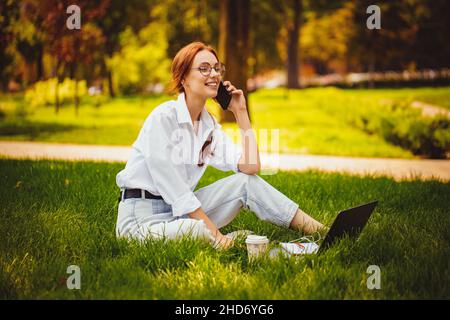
(430, 110)
(399, 169)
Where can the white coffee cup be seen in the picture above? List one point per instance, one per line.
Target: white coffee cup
(256, 245)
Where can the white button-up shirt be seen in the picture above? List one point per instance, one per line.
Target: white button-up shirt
(165, 156)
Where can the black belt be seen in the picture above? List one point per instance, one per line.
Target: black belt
(137, 193)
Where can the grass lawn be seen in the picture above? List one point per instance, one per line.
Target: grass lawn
(312, 121)
(436, 96)
(56, 214)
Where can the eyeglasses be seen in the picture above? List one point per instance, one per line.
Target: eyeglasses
(205, 69)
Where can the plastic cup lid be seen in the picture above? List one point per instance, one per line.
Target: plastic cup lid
(252, 238)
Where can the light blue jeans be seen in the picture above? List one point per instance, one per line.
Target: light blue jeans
(222, 200)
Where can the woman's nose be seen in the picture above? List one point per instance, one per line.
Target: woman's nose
(215, 74)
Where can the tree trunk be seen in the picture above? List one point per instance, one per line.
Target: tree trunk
(77, 99)
(57, 86)
(57, 95)
(74, 76)
(292, 47)
(40, 64)
(233, 45)
(112, 94)
(371, 73)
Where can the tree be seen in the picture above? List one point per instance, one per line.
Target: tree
(431, 48)
(189, 21)
(292, 46)
(78, 50)
(413, 35)
(28, 43)
(70, 48)
(50, 16)
(142, 60)
(9, 14)
(233, 44)
(267, 19)
(120, 15)
(325, 39)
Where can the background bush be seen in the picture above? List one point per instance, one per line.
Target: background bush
(43, 92)
(405, 127)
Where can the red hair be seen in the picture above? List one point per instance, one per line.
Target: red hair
(182, 63)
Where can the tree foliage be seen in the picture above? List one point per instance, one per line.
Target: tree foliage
(142, 59)
(35, 44)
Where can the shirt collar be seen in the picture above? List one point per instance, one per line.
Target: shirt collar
(183, 115)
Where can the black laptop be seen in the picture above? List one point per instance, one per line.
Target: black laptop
(349, 222)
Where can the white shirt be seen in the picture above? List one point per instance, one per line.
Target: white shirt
(166, 152)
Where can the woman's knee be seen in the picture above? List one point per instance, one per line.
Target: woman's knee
(248, 181)
(240, 177)
(253, 179)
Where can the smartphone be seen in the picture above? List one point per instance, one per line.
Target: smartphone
(223, 96)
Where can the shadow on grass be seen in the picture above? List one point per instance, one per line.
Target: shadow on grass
(33, 129)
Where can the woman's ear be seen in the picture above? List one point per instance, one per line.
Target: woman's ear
(183, 83)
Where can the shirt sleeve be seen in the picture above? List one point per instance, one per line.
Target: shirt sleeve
(226, 153)
(166, 168)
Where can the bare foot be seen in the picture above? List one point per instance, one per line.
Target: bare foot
(306, 223)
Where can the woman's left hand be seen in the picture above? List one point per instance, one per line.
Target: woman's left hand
(223, 242)
(237, 102)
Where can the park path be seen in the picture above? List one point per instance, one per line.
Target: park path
(399, 169)
(430, 110)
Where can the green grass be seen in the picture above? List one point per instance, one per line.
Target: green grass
(436, 96)
(116, 122)
(313, 121)
(56, 214)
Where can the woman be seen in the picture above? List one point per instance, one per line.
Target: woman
(178, 140)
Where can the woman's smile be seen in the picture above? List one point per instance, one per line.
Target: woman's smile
(213, 84)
